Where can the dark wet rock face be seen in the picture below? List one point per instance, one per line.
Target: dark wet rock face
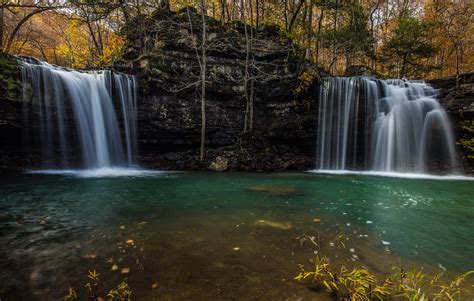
(162, 52)
(458, 100)
(11, 109)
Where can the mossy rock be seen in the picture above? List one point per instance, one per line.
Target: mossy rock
(10, 78)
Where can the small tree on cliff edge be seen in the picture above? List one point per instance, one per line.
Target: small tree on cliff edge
(203, 78)
(201, 58)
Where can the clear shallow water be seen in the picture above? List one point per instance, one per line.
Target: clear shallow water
(185, 226)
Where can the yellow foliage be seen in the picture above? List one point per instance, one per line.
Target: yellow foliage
(75, 46)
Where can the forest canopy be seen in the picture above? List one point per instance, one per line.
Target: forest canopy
(392, 38)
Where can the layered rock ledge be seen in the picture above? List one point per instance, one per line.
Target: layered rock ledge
(163, 51)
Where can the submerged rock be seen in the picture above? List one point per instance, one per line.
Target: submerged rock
(275, 190)
(273, 224)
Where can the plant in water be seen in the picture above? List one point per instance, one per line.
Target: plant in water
(415, 285)
(454, 289)
(93, 287)
(121, 292)
(359, 284)
(70, 295)
(411, 284)
(318, 274)
(340, 238)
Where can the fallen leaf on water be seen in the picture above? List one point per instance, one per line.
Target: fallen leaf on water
(236, 248)
(114, 267)
(154, 285)
(90, 256)
(125, 270)
(316, 220)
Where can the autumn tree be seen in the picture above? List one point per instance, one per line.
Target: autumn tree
(409, 47)
(454, 25)
(393, 37)
(352, 38)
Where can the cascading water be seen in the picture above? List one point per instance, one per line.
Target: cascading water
(387, 126)
(67, 100)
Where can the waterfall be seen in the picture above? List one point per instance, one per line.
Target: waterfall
(388, 126)
(73, 107)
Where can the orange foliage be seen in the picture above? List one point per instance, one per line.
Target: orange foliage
(64, 40)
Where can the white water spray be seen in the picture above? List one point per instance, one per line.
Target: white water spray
(387, 126)
(87, 96)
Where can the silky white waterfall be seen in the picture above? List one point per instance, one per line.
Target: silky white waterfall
(388, 126)
(76, 106)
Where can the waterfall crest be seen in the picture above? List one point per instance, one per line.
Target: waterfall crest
(75, 107)
(388, 126)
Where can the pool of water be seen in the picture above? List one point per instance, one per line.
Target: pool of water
(220, 236)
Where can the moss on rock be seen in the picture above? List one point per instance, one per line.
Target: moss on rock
(10, 82)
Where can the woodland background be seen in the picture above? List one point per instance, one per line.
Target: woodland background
(391, 38)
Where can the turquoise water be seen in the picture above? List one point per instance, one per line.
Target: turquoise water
(185, 228)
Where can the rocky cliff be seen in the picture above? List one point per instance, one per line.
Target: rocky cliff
(11, 109)
(458, 100)
(164, 51)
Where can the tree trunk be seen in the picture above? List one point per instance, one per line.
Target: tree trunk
(321, 17)
(246, 72)
(203, 79)
(92, 33)
(293, 18)
(309, 30)
(17, 28)
(404, 63)
(252, 80)
(457, 64)
(164, 4)
(1, 27)
(334, 54)
(257, 8)
(223, 3)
